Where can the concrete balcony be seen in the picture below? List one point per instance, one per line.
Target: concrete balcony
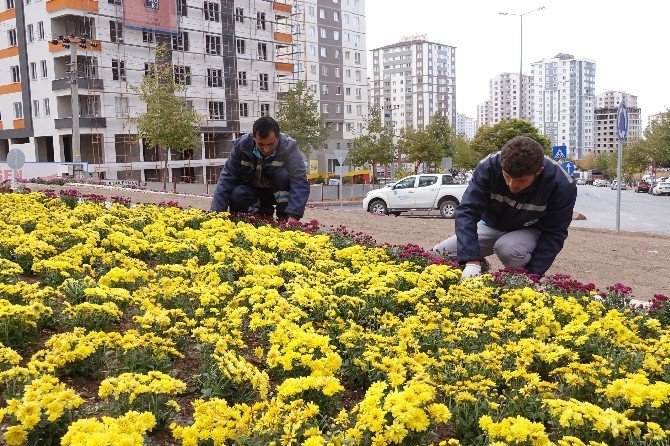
(84, 122)
(82, 82)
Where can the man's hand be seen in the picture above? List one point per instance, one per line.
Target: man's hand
(471, 270)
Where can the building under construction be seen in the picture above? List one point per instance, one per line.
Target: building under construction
(235, 59)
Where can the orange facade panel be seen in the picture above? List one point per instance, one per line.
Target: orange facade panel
(9, 52)
(282, 66)
(281, 7)
(82, 5)
(58, 47)
(283, 37)
(18, 124)
(7, 15)
(1, 127)
(10, 88)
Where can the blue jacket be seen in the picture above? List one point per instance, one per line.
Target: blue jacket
(239, 169)
(545, 205)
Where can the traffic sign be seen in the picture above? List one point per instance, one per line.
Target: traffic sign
(341, 155)
(559, 152)
(622, 122)
(15, 159)
(569, 167)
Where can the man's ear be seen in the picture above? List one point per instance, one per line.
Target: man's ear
(539, 171)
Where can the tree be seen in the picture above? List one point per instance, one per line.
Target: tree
(375, 147)
(442, 135)
(428, 146)
(490, 139)
(464, 156)
(606, 162)
(169, 122)
(637, 156)
(299, 117)
(657, 139)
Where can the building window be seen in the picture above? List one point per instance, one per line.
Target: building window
(11, 36)
(148, 68)
(336, 16)
(30, 33)
(242, 78)
(217, 110)
(244, 110)
(180, 41)
(262, 51)
(322, 33)
(121, 107)
(36, 108)
(213, 44)
(265, 109)
(260, 20)
(212, 13)
(114, 2)
(18, 110)
(182, 8)
(336, 35)
(40, 30)
(240, 45)
(47, 108)
(239, 15)
(337, 53)
(324, 53)
(33, 71)
(148, 36)
(10, 4)
(214, 77)
(263, 81)
(16, 77)
(324, 108)
(182, 75)
(324, 88)
(115, 31)
(118, 70)
(322, 13)
(357, 58)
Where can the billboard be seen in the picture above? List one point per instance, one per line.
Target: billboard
(47, 171)
(156, 15)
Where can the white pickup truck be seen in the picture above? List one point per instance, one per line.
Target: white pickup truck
(430, 191)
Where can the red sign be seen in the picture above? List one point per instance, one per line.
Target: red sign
(159, 15)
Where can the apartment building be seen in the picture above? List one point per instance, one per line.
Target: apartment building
(507, 100)
(234, 59)
(605, 120)
(334, 65)
(564, 101)
(465, 126)
(412, 80)
(484, 113)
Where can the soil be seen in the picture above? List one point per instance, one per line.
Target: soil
(639, 260)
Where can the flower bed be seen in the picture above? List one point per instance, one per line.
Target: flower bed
(158, 325)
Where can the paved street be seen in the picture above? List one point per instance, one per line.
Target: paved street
(639, 212)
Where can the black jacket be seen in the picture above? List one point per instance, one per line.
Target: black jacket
(546, 205)
(239, 169)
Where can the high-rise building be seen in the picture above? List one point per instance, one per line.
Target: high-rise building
(504, 98)
(605, 122)
(465, 126)
(655, 118)
(564, 101)
(412, 80)
(234, 57)
(484, 113)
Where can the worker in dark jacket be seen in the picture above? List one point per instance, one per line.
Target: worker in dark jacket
(518, 205)
(264, 169)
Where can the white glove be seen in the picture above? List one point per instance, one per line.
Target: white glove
(471, 270)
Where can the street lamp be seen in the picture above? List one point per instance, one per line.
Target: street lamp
(521, 53)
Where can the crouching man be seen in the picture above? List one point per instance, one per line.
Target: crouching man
(265, 169)
(518, 205)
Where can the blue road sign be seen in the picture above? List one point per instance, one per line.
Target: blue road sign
(559, 152)
(622, 122)
(569, 167)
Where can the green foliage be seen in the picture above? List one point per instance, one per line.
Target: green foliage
(607, 163)
(169, 122)
(490, 139)
(464, 156)
(376, 146)
(657, 139)
(299, 117)
(430, 145)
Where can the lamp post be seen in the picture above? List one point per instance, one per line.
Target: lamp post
(73, 43)
(520, 15)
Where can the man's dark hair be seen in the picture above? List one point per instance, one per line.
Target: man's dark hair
(264, 125)
(521, 156)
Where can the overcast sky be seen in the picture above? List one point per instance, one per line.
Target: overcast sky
(628, 41)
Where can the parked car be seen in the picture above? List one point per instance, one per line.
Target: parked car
(641, 186)
(600, 183)
(661, 188)
(581, 180)
(613, 185)
(430, 191)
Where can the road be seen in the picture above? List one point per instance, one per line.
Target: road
(639, 212)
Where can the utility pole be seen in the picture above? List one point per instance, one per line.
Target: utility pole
(74, 43)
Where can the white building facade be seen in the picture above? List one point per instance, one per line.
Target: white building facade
(605, 120)
(413, 80)
(507, 100)
(466, 126)
(234, 57)
(564, 102)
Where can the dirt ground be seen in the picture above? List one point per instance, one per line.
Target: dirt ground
(638, 260)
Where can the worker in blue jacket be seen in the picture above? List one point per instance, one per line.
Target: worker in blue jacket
(518, 205)
(265, 169)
